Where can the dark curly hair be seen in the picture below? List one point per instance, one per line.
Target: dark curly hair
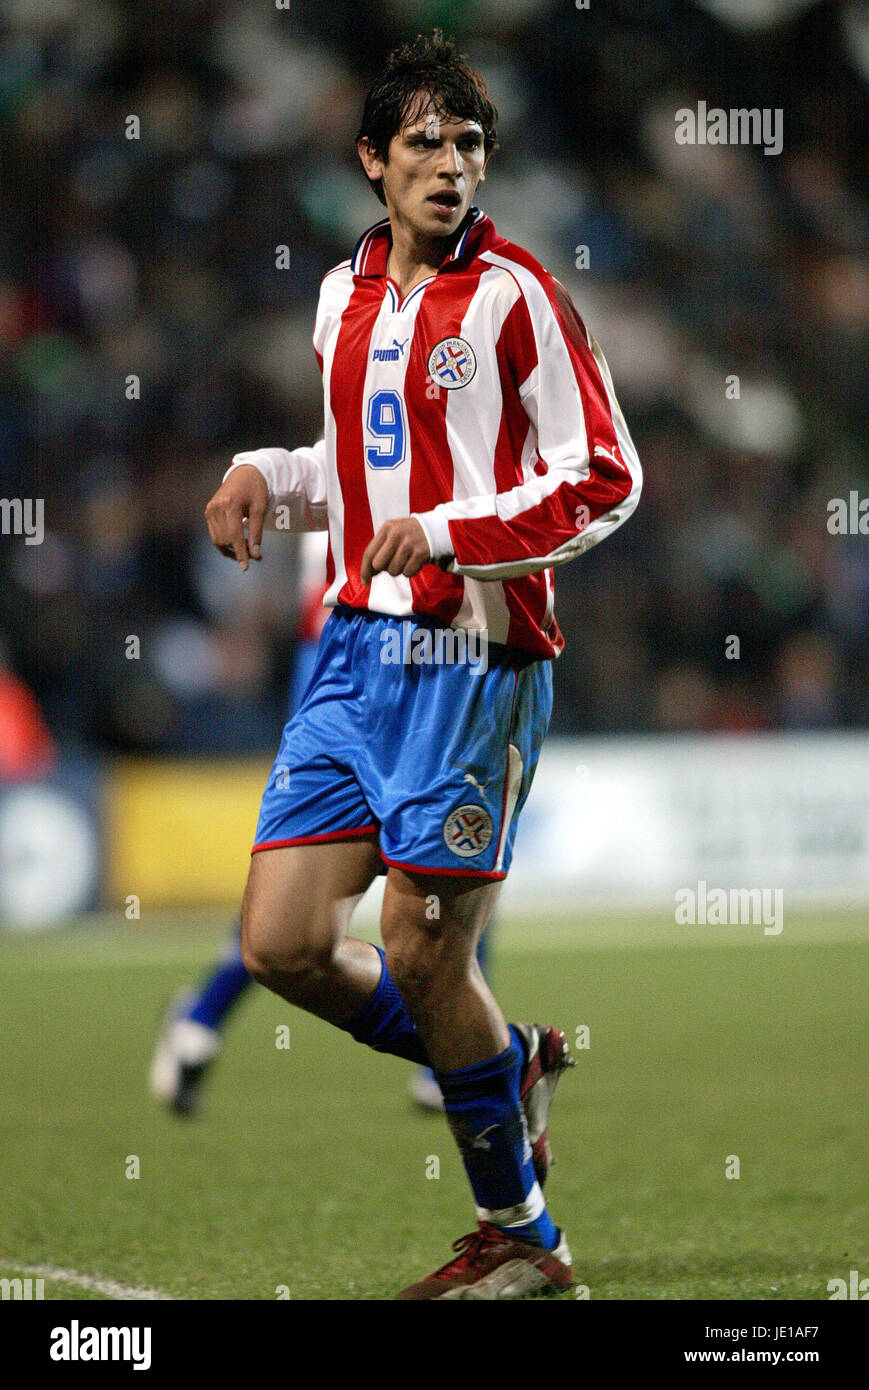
(432, 66)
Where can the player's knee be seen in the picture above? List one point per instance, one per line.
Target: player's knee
(255, 960)
(269, 955)
(414, 966)
(298, 960)
(254, 955)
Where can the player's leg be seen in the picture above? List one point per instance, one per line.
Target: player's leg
(295, 913)
(432, 956)
(478, 1061)
(424, 1089)
(297, 907)
(296, 910)
(450, 757)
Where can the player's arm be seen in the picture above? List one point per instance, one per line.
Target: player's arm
(592, 476)
(255, 486)
(261, 481)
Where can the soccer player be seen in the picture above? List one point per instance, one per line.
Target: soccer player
(473, 442)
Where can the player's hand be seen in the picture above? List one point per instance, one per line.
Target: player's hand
(399, 547)
(244, 497)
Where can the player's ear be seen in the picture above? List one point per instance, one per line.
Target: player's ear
(371, 163)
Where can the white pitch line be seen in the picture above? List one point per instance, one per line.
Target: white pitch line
(86, 1281)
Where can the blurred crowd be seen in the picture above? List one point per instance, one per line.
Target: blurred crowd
(154, 156)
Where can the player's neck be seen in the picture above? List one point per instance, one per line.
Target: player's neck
(413, 259)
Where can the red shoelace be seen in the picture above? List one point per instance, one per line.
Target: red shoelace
(469, 1248)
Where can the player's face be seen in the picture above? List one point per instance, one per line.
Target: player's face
(434, 166)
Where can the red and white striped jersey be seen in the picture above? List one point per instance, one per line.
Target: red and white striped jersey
(478, 404)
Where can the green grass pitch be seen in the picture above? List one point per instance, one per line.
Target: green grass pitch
(308, 1171)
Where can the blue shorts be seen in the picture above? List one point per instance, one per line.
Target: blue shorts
(435, 757)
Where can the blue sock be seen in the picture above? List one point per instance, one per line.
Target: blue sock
(221, 990)
(384, 1023)
(482, 1107)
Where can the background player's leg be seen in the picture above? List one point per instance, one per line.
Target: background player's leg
(222, 987)
(189, 1037)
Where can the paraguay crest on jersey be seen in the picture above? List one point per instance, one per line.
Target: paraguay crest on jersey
(452, 363)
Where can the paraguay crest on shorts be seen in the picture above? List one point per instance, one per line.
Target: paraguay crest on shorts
(468, 831)
(451, 363)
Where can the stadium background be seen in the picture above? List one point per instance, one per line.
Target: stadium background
(137, 779)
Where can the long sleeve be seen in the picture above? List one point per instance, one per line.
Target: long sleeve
(296, 480)
(585, 478)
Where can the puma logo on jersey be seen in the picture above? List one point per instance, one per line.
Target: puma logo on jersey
(390, 354)
(601, 452)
